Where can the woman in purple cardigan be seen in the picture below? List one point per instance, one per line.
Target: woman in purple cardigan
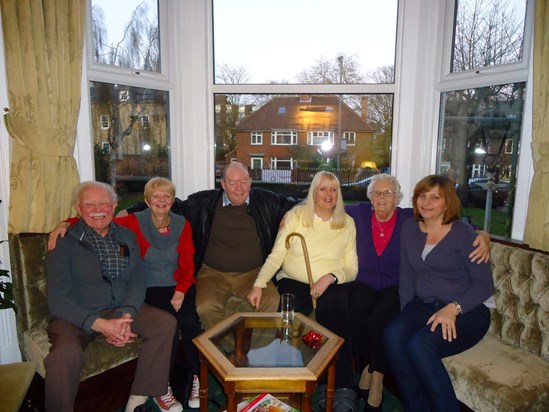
(441, 296)
(374, 298)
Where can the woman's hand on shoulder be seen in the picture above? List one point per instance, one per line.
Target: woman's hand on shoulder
(254, 296)
(59, 230)
(482, 252)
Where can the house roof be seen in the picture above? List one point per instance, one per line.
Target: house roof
(304, 113)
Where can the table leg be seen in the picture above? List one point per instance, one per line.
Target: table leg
(330, 387)
(203, 391)
(231, 396)
(307, 397)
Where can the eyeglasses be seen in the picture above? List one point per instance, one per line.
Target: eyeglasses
(385, 193)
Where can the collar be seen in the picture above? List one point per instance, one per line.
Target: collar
(227, 202)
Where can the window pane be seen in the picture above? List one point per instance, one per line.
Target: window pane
(479, 146)
(350, 135)
(488, 33)
(135, 145)
(125, 33)
(293, 41)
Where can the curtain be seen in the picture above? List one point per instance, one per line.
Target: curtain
(537, 221)
(43, 42)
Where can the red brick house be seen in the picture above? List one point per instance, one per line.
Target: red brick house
(290, 131)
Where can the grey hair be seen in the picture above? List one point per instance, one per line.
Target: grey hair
(389, 178)
(77, 192)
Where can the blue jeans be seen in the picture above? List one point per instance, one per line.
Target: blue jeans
(414, 354)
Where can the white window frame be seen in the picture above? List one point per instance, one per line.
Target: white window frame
(105, 121)
(319, 137)
(275, 161)
(256, 138)
(291, 134)
(105, 147)
(145, 121)
(258, 159)
(350, 137)
(416, 95)
(509, 73)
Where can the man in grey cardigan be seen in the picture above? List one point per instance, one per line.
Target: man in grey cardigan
(96, 287)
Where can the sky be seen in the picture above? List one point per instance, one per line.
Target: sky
(274, 40)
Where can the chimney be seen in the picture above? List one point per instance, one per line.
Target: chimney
(364, 108)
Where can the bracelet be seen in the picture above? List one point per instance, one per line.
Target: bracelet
(458, 306)
(335, 279)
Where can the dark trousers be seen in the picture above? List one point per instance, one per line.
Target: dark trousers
(66, 358)
(188, 322)
(371, 311)
(415, 354)
(332, 312)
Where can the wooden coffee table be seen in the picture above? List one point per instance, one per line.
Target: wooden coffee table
(251, 353)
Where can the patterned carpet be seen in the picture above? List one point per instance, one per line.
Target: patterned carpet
(217, 399)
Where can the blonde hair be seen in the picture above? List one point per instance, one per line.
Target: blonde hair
(159, 183)
(306, 209)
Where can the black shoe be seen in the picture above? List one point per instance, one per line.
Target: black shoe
(370, 408)
(345, 400)
(362, 393)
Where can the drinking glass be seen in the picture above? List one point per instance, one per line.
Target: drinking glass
(287, 307)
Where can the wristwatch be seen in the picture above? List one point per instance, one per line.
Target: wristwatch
(335, 279)
(458, 306)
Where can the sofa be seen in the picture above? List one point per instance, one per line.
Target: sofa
(509, 369)
(27, 253)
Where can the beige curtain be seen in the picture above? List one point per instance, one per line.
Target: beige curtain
(537, 221)
(43, 42)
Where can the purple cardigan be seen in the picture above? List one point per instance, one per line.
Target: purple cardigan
(378, 272)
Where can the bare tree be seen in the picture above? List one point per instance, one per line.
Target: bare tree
(341, 69)
(137, 49)
(488, 33)
(230, 108)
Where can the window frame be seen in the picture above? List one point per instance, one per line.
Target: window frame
(313, 135)
(284, 132)
(256, 138)
(502, 74)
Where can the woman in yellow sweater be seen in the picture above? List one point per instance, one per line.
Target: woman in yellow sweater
(330, 236)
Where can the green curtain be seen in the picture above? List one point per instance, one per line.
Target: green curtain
(537, 221)
(43, 42)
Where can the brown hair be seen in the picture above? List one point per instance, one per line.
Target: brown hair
(446, 189)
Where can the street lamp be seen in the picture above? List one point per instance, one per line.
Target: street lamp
(342, 144)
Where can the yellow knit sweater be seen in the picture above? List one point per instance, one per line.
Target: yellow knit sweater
(330, 251)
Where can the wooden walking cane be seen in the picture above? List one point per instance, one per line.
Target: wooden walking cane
(307, 263)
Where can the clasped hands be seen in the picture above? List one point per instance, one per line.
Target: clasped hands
(117, 331)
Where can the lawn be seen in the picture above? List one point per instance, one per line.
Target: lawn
(498, 222)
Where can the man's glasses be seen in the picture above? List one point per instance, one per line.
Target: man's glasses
(385, 193)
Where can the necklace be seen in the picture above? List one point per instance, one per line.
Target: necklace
(165, 226)
(382, 232)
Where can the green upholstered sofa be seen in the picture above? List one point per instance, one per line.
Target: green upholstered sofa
(509, 369)
(27, 252)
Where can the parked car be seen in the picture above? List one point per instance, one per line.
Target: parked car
(477, 191)
(359, 183)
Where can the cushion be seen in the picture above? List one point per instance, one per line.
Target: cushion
(493, 376)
